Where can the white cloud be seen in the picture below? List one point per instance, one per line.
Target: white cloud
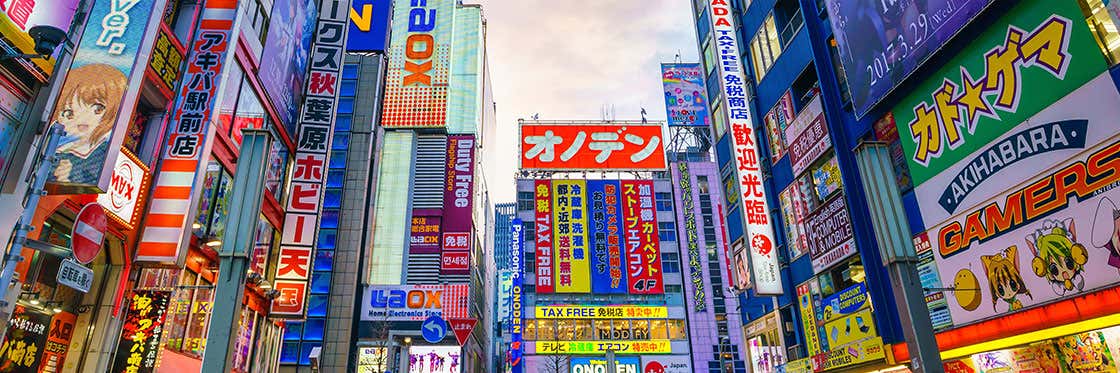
(565, 59)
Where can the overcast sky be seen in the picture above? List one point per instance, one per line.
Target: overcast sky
(565, 59)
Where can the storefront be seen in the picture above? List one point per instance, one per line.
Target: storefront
(765, 344)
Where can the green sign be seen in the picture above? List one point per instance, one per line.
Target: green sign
(1032, 56)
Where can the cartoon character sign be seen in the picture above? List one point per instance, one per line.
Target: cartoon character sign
(1106, 230)
(1058, 257)
(1004, 280)
(87, 110)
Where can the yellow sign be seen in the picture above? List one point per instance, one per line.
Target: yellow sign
(570, 250)
(808, 321)
(852, 354)
(850, 328)
(602, 312)
(800, 366)
(653, 346)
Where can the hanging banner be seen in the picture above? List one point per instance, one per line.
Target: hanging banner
(138, 349)
(573, 264)
(617, 146)
(755, 208)
(542, 206)
(643, 246)
(517, 309)
(283, 72)
(686, 95)
(831, 239)
(188, 139)
(807, 136)
(458, 193)
(777, 120)
(808, 319)
(419, 64)
(305, 190)
(686, 213)
(608, 272)
(58, 342)
(99, 94)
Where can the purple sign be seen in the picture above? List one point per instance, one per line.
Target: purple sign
(424, 237)
(830, 234)
(458, 193)
(284, 65)
(883, 42)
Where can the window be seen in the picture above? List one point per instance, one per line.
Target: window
(565, 331)
(641, 329)
(525, 201)
(666, 231)
(1103, 23)
(658, 329)
(664, 201)
(546, 330)
(670, 262)
(603, 329)
(529, 333)
(765, 48)
(213, 205)
(677, 329)
(583, 330)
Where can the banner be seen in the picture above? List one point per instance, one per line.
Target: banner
(808, 319)
(881, 43)
(686, 213)
(419, 64)
(458, 195)
(968, 103)
(608, 274)
(58, 342)
(653, 346)
(369, 25)
(573, 266)
(807, 136)
(777, 120)
(643, 246)
(618, 146)
(686, 95)
(138, 349)
(623, 364)
(542, 206)
(759, 230)
(831, 239)
(25, 341)
(601, 312)
(413, 302)
(517, 309)
(99, 94)
(284, 69)
(426, 232)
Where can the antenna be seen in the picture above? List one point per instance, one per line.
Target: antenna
(677, 59)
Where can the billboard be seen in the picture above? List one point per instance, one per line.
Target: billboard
(186, 140)
(1055, 54)
(881, 43)
(601, 312)
(686, 95)
(542, 207)
(458, 193)
(623, 364)
(435, 359)
(592, 146)
(413, 302)
(570, 249)
(666, 364)
(145, 316)
(96, 101)
(127, 189)
(777, 120)
(652, 346)
(516, 312)
(830, 234)
(425, 232)
(608, 273)
(369, 25)
(643, 246)
(759, 230)
(312, 156)
(167, 60)
(682, 186)
(807, 136)
(419, 65)
(28, 328)
(286, 50)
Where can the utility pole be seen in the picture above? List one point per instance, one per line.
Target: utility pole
(245, 209)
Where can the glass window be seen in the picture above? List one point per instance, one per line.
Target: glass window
(621, 330)
(228, 102)
(277, 169)
(178, 311)
(195, 342)
(250, 113)
(664, 201)
(765, 48)
(677, 329)
(641, 329)
(666, 231)
(583, 330)
(1104, 17)
(658, 329)
(530, 331)
(546, 330)
(262, 246)
(213, 203)
(603, 329)
(565, 330)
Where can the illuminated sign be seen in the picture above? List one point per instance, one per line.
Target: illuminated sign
(601, 312)
(643, 246)
(126, 189)
(416, 89)
(754, 207)
(166, 60)
(542, 206)
(570, 249)
(688, 210)
(597, 146)
(850, 354)
(414, 302)
(608, 273)
(517, 248)
(653, 346)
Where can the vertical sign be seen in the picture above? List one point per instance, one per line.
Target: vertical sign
(313, 143)
(686, 96)
(419, 65)
(759, 231)
(369, 23)
(688, 210)
(643, 252)
(573, 267)
(168, 219)
(542, 207)
(458, 199)
(425, 235)
(608, 274)
(96, 102)
(517, 249)
(58, 342)
(138, 348)
(808, 319)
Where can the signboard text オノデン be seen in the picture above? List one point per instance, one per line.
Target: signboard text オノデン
(597, 146)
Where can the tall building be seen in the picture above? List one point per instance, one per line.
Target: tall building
(812, 113)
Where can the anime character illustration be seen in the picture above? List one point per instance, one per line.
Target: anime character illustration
(967, 289)
(1106, 231)
(1058, 257)
(87, 110)
(1004, 280)
(1086, 352)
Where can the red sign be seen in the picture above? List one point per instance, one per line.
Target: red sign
(462, 328)
(457, 241)
(89, 230)
(606, 146)
(455, 262)
(643, 247)
(292, 299)
(543, 209)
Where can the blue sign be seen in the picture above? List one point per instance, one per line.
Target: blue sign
(433, 329)
(608, 269)
(845, 302)
(369, 23)
(517, 249)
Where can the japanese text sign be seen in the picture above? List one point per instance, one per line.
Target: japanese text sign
(686, 95)
(602, 312)
(683, 179)
(608, 272)
(570, 251)
(455, 257)
(138, 349)
(807, 136)
(416, 89)
(653, 346)
(516, 312)
(25, 341)
(755, 208)
(777, 120)
(643, 245)
(542, 207)
(605, 146)
(166, 59)
(425, 232)
(313, 144)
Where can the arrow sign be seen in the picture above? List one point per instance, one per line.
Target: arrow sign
(433, 329)
(462, 328)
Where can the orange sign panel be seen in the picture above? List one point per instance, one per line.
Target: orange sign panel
(605, 146)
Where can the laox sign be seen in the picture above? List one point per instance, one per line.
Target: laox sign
(421, 23)
(410, 299)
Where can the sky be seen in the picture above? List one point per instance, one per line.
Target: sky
(566, 59)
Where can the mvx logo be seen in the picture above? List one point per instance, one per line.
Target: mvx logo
(420, 45)
(409, 299)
